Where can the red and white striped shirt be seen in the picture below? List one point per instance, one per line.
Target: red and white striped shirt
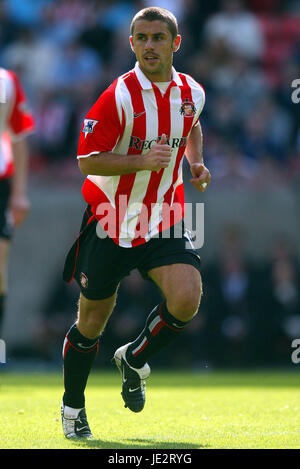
(15, 120)
(128, 118)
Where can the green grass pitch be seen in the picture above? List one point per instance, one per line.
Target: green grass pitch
(183, 411)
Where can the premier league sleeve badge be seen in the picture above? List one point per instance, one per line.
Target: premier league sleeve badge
(88, 126)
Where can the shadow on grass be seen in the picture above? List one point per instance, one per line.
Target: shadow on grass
(136, 443)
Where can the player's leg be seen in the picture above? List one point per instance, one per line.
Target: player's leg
(4, 252)
(6, 231)
(93, 315)
(98, 265)
(80, 349)
(174, 265)
(181, 287)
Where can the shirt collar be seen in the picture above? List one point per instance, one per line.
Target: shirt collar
(146, 83)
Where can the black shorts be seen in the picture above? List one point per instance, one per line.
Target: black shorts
(6, 225)
(98, 265)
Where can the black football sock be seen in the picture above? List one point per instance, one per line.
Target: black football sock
(78, 356)
(2, 298)
(160, 330)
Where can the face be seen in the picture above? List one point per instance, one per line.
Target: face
(153, 46)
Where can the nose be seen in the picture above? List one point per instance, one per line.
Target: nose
(149, 44)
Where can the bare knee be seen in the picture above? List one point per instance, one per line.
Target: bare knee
(92, 325)
(93, 315)
(185, 303)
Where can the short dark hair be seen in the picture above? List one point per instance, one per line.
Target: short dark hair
(157, 13)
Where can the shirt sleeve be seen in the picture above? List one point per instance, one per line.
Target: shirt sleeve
(21, 121)
(202, 102)
(101, 129)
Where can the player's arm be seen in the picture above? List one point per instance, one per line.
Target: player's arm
(194, 154)
(101, 131)
(20, 124)
(110, 164)
(19, 203)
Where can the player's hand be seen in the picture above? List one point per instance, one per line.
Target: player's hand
(159, 156)
(201, 176)
(19, 207)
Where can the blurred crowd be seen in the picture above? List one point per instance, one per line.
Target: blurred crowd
(246, 55)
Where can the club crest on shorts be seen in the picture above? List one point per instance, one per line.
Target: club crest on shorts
(88, 126)
(83, 280)
(187, 108)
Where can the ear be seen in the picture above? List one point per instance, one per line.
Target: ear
(176, 43)
(131, 43)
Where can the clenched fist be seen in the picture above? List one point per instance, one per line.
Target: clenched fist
(201, 176)
(159, 156)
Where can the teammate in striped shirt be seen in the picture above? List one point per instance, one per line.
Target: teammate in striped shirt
(131, 149)
(16, 123)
